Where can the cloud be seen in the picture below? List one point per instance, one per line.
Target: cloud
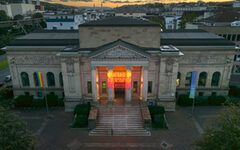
(126, 1)
(77, 0)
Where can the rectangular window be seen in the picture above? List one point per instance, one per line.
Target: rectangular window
(89, 86)
(135, 87)
(229, 36)
(234, 37)
(104, 87)
(238, 37)
(149, 86)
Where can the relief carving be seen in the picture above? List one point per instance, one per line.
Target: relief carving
(37, 60)
(202, 60)
(119, 52)
(169, 65)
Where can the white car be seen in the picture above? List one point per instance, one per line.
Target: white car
(8, 78)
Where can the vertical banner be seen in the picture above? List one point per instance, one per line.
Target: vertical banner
(40, 79)
(193, 84)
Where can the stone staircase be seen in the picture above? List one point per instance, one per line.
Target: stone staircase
(119, 121)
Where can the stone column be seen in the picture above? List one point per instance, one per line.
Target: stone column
(94, 87)
(128, 95)
(145, 83)
(110, 84)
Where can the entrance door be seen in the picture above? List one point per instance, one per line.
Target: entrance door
(119, 90)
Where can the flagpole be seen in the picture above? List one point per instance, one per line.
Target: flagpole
(45, 91)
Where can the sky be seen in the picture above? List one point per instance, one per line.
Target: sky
(117, 3)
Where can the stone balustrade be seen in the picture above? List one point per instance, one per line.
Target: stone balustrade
(92, 118)
(146, 118)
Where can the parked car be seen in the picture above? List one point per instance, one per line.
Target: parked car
(8, 78)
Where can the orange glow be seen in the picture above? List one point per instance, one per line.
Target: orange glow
(130, 2)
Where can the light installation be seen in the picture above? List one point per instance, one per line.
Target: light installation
(119, 77)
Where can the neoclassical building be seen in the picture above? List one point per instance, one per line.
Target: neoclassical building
(120, 60)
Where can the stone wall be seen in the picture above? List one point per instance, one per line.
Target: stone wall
(30, 62)
(91, 37)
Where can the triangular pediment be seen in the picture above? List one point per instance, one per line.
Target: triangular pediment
(119, 50)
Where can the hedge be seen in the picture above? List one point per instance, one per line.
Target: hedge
(216, 100)
(82, 109)
(234, 91)
(23, 101)
(52, 100)
(157, 115)
(184, 100)
(39, 103)
(234, 100)
(80, 121)
(201, 101)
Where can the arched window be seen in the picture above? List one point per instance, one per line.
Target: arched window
(25, 79)
(215, 79)
(35, 79)
(178, 79)
(202, 79)
(50, 79)
(61, 79)
(188, 79)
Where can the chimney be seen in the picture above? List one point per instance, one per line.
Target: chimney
(38, 2)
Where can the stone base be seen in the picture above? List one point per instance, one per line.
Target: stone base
(168, 105)
(70, 105)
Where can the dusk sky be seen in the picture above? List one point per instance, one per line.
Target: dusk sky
(115, 3)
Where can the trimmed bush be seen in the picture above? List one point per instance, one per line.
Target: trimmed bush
(234, 91)
(82, 109)
(23, 101)
(80, 121)
(184, 100)
(61, 102)
(216, 100)
(234, 100)
(6, 103)
(159, 121)
(52, 100)
(156, 110)
(201, 101)
(38, 103)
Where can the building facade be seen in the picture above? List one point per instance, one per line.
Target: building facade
(120, 60)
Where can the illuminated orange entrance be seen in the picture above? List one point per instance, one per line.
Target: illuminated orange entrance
(119, 79)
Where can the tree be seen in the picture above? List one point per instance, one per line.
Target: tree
(18, 17)
(3, 16)
(223, 132)
(14, 133)
(156, 20)
(189, 17)
(39, 16)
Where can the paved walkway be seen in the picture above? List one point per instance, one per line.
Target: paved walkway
(56, 134)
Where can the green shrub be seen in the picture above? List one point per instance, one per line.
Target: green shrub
(216, 100)
(82, 109)
(6, 93)
(38, 103)
(60, 102)
(234, 100)
(234, 91)
(52, 100)
(184, 100)
(159, 121)
(201, 101)
(6, 103)
(80, 121)
(23, 101)
(156, 110)
(2, 52)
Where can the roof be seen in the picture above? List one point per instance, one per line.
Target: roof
(225, 16)
(119, 21)
(59, 20)
(192, 38)
(47, 38)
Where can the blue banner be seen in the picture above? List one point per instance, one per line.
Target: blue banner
(193, 84)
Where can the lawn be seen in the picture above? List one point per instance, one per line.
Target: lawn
(3, 64)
